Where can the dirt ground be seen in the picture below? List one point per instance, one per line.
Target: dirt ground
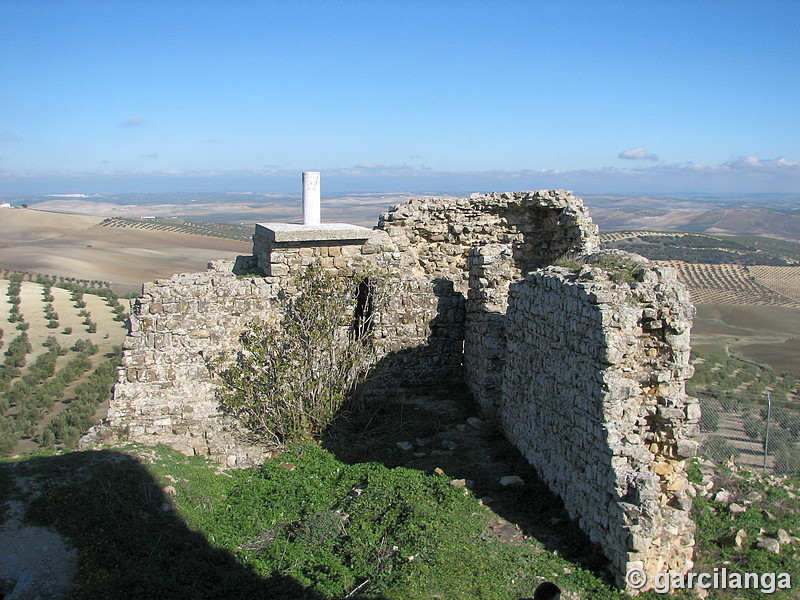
(22, 226)
(76, 246)
(765, 334)
(35, 562)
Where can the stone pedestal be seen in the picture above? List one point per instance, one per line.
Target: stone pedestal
(271, 240)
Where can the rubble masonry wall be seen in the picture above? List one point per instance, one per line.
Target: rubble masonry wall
(583, 371)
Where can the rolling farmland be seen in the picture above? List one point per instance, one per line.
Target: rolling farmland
(61, 349)
(784, 280)
(71, 246)
(739, 284)
(241, 233)
(736, 270)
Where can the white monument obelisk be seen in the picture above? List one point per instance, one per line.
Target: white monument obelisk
(311, 210)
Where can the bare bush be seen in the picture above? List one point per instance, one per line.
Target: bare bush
(289, 380)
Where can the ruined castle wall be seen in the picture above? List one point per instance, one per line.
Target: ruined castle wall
(165, 392)
(419, 336)
(538, 226)
(504, 235)
(583, 368)
(593, 396)
(491, 272)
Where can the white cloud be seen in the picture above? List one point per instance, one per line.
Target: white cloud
(754, 162)
(638, 153)
(132, 122)
(749, 174)
(8, 136)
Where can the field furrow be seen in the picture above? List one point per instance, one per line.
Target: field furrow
(784, 280)
(35, 398)
(739, 284)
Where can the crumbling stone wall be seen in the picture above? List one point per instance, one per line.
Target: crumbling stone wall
(593, 396)
(538, 227)
(165, 392)
(491, 272)
(419, 337)
(583, 368)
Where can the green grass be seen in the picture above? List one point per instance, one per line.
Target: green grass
(620, 269)
(152, 523)
(304, 525)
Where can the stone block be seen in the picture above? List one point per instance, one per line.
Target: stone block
(278, 270)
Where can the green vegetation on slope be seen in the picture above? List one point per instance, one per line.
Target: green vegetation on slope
(40, 407)
(731, 378)
(150, 522)
(767, 504)
(736, 390)
(288, 382)
(33, 396)
(178, 225)
(708, 249)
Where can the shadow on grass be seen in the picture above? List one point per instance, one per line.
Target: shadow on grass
(130, 541)
(429, 418)
(435, 422)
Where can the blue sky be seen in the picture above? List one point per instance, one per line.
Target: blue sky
(612, 96)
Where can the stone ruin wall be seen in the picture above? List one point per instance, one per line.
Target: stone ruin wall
(165, 392)
(589, 386)
(537, 227)
(584, 374)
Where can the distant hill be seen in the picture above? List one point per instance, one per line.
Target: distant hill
(704, 248)
(776, 223)
(754, 222)
(124, 252)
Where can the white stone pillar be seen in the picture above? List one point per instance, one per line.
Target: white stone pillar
(311, 211)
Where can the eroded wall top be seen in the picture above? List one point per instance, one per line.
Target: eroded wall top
(540, 227)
